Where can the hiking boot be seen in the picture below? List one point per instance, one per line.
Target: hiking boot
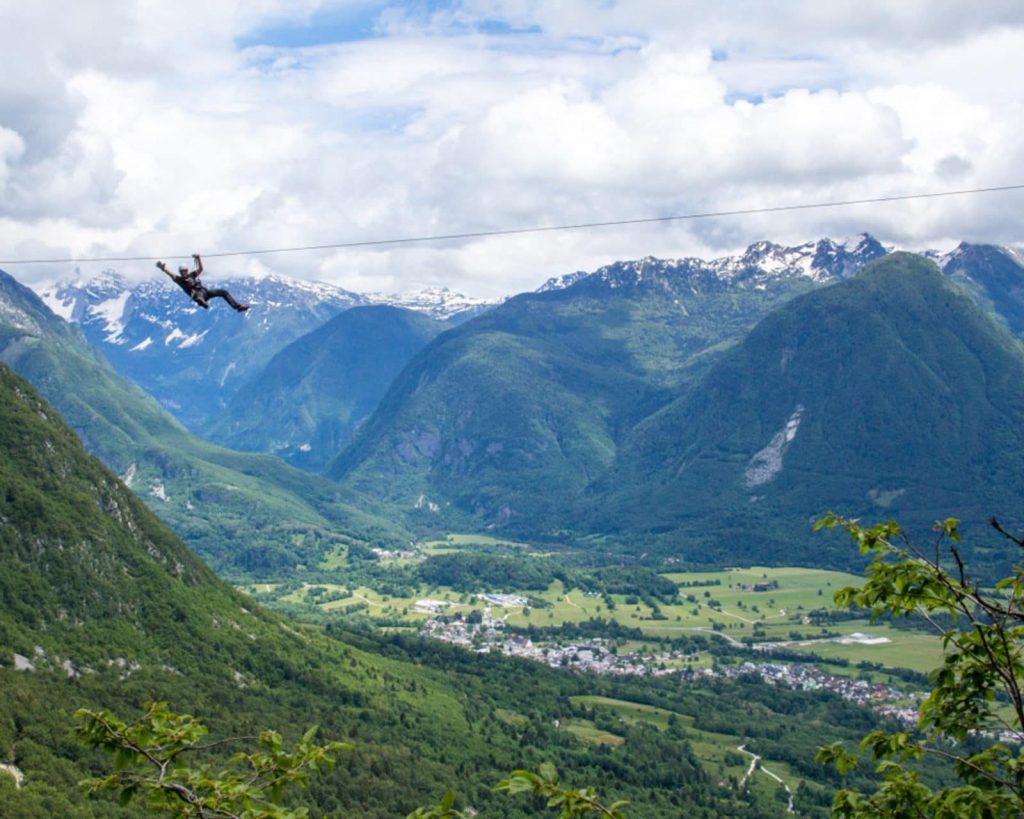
(242, 308)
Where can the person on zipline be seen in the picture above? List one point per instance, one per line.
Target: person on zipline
(189, 282)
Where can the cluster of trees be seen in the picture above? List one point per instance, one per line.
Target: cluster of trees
(471, 572)
(477, 571)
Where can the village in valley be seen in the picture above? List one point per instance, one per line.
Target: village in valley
(482, 632)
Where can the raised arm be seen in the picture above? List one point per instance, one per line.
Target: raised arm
(199, 264)
(163, 267)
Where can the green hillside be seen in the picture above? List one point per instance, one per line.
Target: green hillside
(994, 278)
(305, 404)
(242, 512)
(890, 394)
(506, 419)
(104, 607)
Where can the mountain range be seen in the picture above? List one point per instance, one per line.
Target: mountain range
(614, 432)
(305, 403)
(509, 416)
(240, 511)
(192, 360)
(888, 394)
(565, 414)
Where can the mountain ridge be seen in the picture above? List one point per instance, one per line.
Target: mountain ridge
(211, 495)
(890, 393)
(435, 447)
(305, 404)
(611, 346)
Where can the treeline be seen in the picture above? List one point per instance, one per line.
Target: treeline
(586, 629)
(476, 572)
(634, 580)
(482, 572)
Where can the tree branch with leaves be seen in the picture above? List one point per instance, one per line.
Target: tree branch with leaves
(154, 759)
(979, 682)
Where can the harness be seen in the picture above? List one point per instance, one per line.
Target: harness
(195, 289)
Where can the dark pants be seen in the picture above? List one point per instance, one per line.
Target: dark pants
(206, 295)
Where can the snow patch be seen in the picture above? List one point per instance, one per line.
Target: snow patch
(767, 463)
(192, 340)
(157, 490)
(186, 341)
(174, 334)
(562, 282)
(437, 302)
(142, 345)
(227, 372)
(63, 307)
(111, 311)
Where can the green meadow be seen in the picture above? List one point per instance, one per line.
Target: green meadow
(761, 604)
(717, 751)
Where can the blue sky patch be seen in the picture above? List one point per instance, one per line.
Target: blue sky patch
(342, 25)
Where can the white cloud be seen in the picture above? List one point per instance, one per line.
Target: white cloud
(146, 129)
(12, 146)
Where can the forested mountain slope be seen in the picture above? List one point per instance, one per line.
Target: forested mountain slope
(891, 394)
(506, 419)
(241, 511)
(306, 403)
(104, 607)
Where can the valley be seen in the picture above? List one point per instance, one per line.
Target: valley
(735, 614)
(575, 528)
(510, 410)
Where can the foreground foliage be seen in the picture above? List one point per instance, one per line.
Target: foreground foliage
(974, 716)
(153, 760)
(572, 803)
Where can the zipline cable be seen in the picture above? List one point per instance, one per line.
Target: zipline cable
(517, 231)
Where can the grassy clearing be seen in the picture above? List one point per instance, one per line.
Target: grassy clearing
(512, 718)
(335, 559)
(458, 542)
(711, 748)
(631, 712)
(907, 649)
(586, 731)
(729, 607)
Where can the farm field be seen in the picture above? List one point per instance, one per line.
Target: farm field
(761, 604)
(717, 751)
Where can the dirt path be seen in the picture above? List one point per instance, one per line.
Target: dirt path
(754, 759)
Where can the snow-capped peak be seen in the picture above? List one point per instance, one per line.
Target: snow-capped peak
(562, 282)
(821, 260)
(75, 299)
(437, 302)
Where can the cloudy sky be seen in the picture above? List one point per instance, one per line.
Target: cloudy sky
(151, 128)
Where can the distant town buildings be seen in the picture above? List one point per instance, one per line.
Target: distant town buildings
(484, 633)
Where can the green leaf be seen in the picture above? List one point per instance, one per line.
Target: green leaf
(548, 773)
